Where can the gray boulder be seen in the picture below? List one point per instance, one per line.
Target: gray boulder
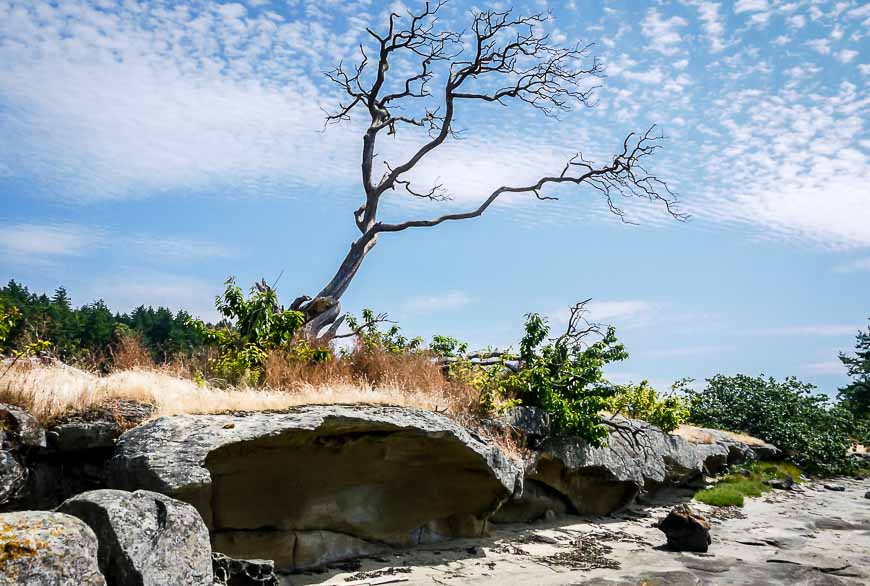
(145, 538)
(321, 483)
(21, 428)
(47, 549)
(78, 436)
(784, 483)
(13, 476)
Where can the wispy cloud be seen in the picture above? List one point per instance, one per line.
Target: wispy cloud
(21, 242)
(432, 303)
(628, 312)
(827, 367)
(810, 330)
(132, 288)
(179, 249)
(854, 266)
(685, 351)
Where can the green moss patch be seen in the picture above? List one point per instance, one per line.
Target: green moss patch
(747, 481)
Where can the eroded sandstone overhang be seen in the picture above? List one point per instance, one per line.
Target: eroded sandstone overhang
(321, 483)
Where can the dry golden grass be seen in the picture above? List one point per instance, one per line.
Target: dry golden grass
(51, 391)
(697, 435)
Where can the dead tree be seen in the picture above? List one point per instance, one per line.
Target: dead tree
(503, 58)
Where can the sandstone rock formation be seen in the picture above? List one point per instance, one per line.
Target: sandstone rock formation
(47, 549)
(321, 483)
(145, 538)
(563, 473)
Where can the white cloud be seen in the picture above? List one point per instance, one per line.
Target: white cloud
(846, 55)
(750, 6)
(854, 266)
(821, 46)
(630, 312)
(432, 303)
(178, 249)
(827, 367)
(22, 243)
(685, 351)
(712, 22)
(796, 21)
(46, 241)
(663, 33)
(790, 164)
(128, 290)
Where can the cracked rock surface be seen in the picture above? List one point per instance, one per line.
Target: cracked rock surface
(320, 483)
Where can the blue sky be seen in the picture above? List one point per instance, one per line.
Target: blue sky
(150, 149)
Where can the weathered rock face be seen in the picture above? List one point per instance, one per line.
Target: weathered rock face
(20, 436)
(47, 549)
(685, 530)
(145, 538)
(21, 427)
(601, 480)
(565, 472)
(66, 459)
(320, 483)
(232, 572)
(13, 475)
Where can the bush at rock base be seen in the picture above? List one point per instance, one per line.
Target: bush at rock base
(786, 414)
(642, 402)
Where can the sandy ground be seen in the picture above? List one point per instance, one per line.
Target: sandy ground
(816, 536)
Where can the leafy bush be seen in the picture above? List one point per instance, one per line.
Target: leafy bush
(447, 347)
(563, 376)
(786, 414)
(251, 328)
(642, 402)
(9, 316)
(371, 337)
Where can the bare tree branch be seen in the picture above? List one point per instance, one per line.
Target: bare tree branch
(503, 58)
(624, 176)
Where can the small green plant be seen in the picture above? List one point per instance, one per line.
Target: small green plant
(250, 329)
(9, 316)
(447, 347)
(748, 480)
(642, 402)
(372, 337)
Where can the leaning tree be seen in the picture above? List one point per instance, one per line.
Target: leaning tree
(502, 58)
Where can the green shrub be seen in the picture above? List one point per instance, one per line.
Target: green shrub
(643, 402)
(9, 316)
(563, 376)
(786, 414)
(250, 329)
